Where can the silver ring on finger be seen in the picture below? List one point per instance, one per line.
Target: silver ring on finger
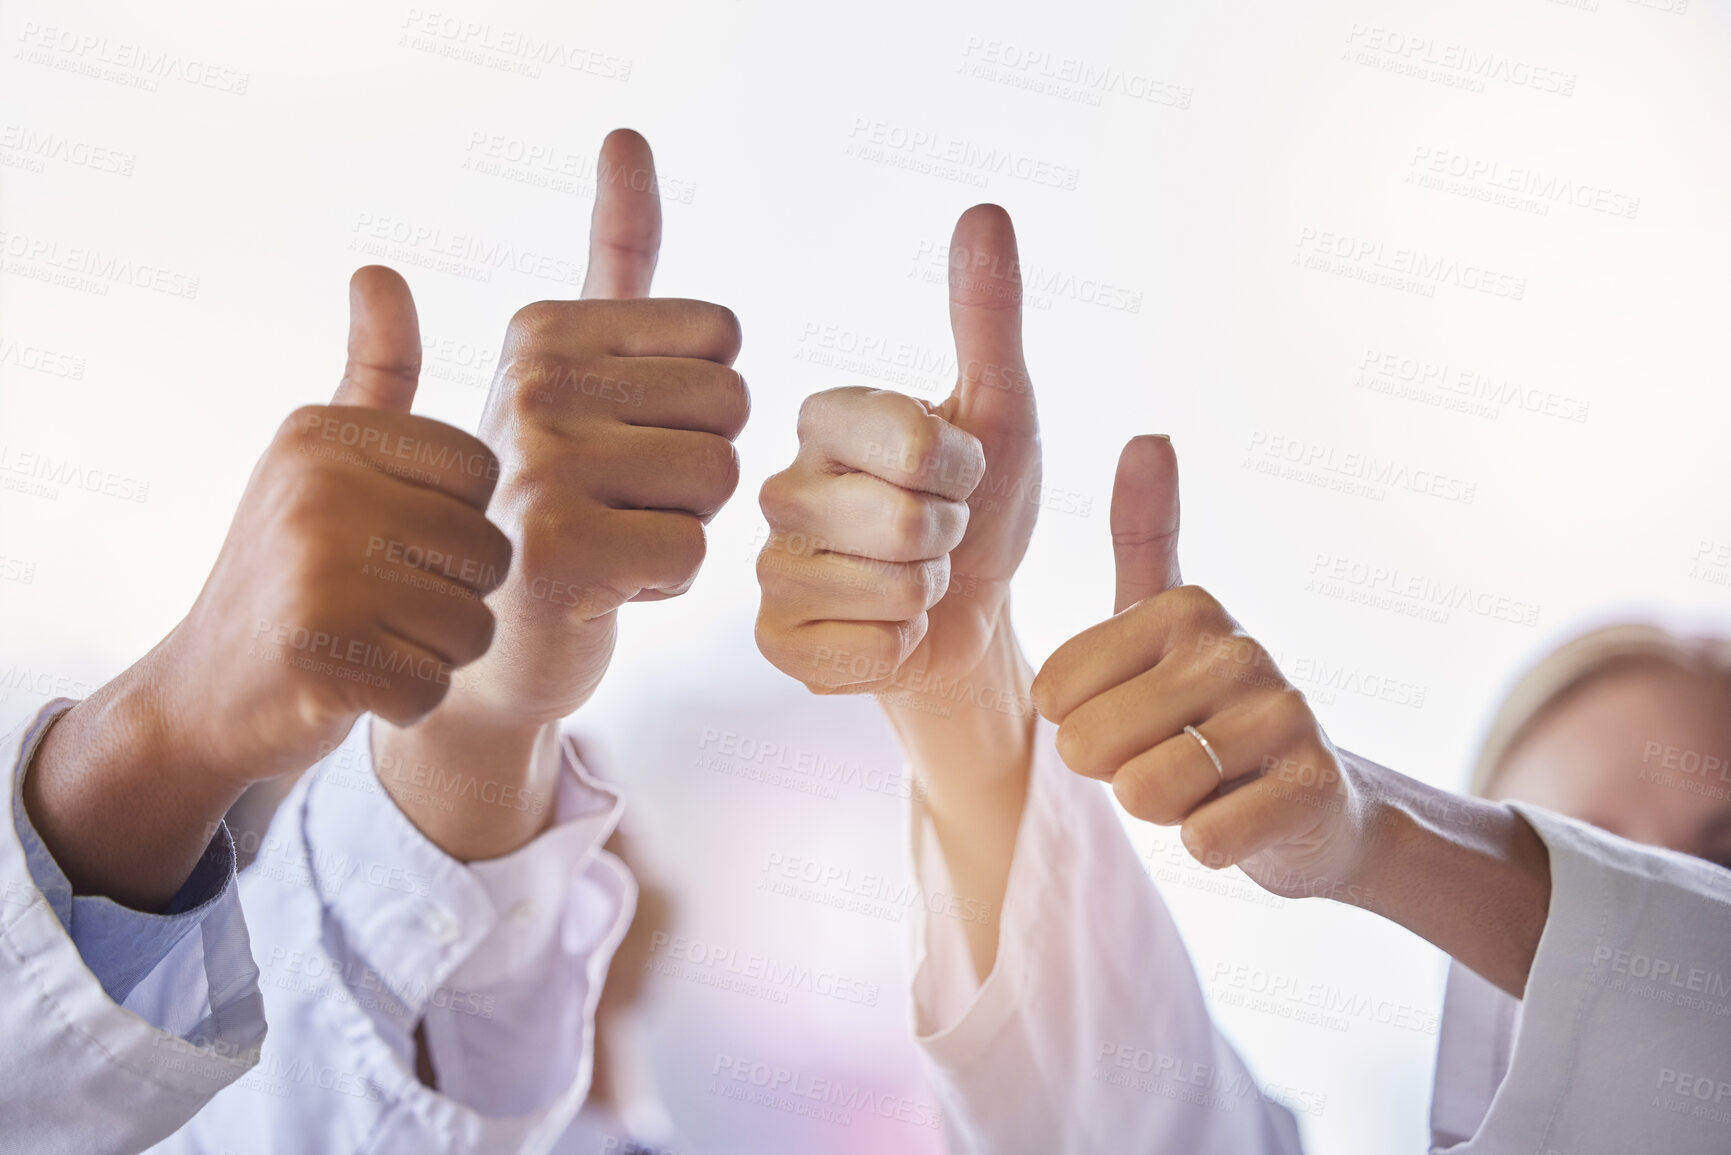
(1208, 750)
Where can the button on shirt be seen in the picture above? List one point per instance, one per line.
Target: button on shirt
(118, 1025)
(364, 929)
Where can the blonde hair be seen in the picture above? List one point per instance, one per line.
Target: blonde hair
(1578, 662)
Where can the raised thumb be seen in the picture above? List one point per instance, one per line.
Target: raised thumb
(625, 230)
(993, 396)
(1145, 520)
(384, 342)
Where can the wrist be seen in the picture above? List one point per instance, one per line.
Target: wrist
(1468, 875)
(469, 779)
(122, 793)
(970, 736)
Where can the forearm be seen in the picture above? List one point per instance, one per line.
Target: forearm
(124, 805)
(970, 761)
(1467, 875)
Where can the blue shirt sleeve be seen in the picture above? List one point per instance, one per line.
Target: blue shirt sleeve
(119, 945)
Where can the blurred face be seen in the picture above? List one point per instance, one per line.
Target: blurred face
(1643, 751)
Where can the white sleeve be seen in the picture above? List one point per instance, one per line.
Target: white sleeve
(84, 1074)
(365, 930)
(1623, 1041)
(1090, 1034)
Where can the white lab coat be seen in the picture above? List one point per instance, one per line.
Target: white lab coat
(81, 1074)
(1090, 1034)
(361, 929)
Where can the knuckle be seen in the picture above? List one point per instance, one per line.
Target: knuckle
(778, 498)
(907, 522)
(1043, 692)
(812, 413)
(498, 550)
(1076, 745)
(298, 426)
(736, 401)
(1206, 847)
(1131, 790)
(323, 698)
(725, 324)
(530, 321)
(921, 440)
(416, 699)
(1196, 603)
(690, 546)
(478, 628)
(1290, 710)
(721, 465)
(305, 498)
(908, 593)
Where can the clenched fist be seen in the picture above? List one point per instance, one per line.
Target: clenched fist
(1190, 719)
(1194, 725)
(614, 418)
(351, 581)
(893, 539)
(895, 532)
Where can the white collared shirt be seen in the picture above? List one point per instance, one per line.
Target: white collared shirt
(1091, 1035)
(363, 928)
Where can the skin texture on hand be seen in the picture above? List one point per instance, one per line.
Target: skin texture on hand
(351, 581)
(1300, 818)
(614, 418)
(893, 539)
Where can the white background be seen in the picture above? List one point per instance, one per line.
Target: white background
(1171, 293)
